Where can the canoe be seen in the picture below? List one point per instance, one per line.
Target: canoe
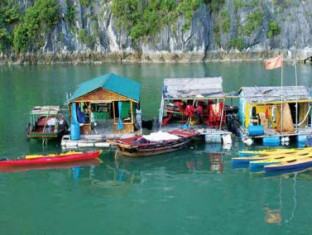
(264, 157)
(274, 160)
(290, 165)
(66, 165)
(46, 159)
(155, 143)
(51, 155)
(268, 152)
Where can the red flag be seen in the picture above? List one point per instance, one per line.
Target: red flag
(274, 63)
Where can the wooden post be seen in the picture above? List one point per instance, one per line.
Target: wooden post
(131, 112)
(113, 104)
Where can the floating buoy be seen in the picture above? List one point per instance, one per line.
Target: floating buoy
(248, 141)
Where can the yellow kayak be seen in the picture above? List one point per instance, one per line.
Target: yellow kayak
(304, 151)
(297, 164)
(50, 155)
(277, 159)
(270, 151)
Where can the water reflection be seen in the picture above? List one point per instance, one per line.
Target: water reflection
(287, 199)
(193, 159)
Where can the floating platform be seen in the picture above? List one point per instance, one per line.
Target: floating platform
(211, 135)
(95, 140)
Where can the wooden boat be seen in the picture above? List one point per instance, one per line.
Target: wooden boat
(268, 156)
(66, 165)
(50, 159)
(274, 160)
(46, 122)
(155, 143)
(290, 165)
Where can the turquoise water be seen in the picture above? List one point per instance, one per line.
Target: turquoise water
(184, 192)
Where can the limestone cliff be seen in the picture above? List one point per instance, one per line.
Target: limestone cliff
(239, 30)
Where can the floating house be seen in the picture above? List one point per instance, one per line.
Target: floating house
(275, 114)
(195, 102)
(101, 107)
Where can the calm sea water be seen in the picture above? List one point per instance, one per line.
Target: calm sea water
(192, 191)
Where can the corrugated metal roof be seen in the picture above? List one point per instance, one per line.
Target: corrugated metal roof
(192, 87)
(45, 110)
(111, 82)
(274, 93)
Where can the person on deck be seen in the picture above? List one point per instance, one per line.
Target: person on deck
(51, 122)
(138, 117)
(62, 124)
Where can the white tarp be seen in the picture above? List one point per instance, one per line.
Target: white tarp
(160, 136)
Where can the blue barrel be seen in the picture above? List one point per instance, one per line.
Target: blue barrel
(271, 141)
(302, 141)
(213, 138)
(255, 130)
(74, 131)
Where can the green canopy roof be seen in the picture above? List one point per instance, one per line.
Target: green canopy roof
(111, 82)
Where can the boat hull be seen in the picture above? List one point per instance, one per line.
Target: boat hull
(290, 165)
(126, 148)
(151, 150)
(66, 165)
(51, 159)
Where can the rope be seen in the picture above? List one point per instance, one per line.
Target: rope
(305, 117)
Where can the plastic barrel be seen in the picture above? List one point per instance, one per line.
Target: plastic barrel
(271, 141)
(211, 138)
(302, 140)
(255, 130)
(74, 131)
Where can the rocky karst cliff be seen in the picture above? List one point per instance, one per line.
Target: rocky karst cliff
(237, 30)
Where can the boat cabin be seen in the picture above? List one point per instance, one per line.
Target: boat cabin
(275, 111)
(193, 101)
(105, 104)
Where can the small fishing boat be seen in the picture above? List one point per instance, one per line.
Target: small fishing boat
(46, 122)
(290, 165)
(155, 143)
(50, 159)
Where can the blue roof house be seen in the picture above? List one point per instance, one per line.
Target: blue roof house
(107, 102)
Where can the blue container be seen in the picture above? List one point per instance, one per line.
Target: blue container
(74, 131)
(271, 141)
(255, 130)
(309, 141)
(211, 138)
(302, 141)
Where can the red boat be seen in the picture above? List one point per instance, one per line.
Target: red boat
(155, 143)
(66, 165)
(50, 159)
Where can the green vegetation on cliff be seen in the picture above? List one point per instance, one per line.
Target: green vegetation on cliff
(28, 30)
(144, 19)
(10, 15)
(33, 25)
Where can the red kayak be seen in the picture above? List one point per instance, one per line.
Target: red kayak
(48, 159)
(66, 165)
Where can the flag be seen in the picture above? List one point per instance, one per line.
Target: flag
(274, 63)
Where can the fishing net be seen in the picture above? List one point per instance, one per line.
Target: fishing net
(284, 122)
